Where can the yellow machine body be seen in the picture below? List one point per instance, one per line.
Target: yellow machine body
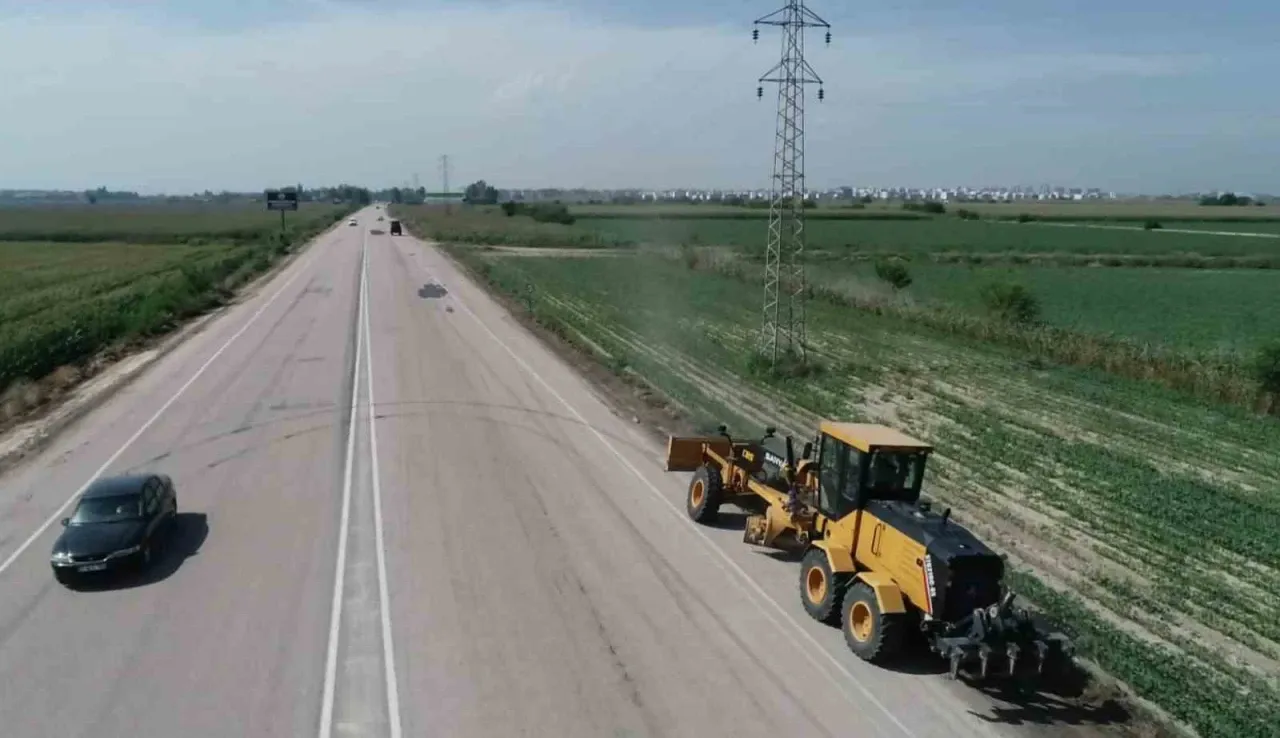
(875, 556)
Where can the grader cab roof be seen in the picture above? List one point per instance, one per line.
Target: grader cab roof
(868, 437)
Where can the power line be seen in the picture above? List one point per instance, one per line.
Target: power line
(783, 327)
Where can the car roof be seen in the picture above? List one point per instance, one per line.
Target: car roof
(130, 484)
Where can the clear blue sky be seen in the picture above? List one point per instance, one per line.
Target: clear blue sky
(174, 95)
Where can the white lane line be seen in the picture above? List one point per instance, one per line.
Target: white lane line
(384, 598)
(181, 390)
(789, 626)
(339, 576)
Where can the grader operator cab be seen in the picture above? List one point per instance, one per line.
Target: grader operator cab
(877, 560)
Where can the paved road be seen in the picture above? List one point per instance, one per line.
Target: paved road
(490, 552)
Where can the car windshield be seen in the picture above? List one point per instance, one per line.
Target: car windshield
(107, 509)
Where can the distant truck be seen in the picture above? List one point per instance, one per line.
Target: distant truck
(395, 228)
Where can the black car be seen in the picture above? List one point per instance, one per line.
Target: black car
(115, 525)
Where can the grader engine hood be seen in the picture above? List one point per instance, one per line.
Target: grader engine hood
(974, 620)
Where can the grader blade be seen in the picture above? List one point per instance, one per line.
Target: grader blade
(775, 529)
(684, 454)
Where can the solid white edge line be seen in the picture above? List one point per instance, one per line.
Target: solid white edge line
(339, 575)
(791, 627)
(181, 390)
(384, 597)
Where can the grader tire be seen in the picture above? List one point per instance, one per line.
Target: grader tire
(869, 633)
(820, 588)
(706, 492)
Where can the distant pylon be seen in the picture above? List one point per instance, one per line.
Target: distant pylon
(783, 329)
(444, 175)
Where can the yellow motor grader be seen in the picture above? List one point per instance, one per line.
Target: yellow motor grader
(876, 559)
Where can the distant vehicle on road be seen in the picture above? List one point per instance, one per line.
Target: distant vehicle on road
(395, 228)
(352, 222)
(115, 526)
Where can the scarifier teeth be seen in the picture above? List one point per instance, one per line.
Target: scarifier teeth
(956, 656)
(985, 656)
(1011, 652)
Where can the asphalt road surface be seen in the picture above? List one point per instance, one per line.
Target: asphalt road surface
(490, 552)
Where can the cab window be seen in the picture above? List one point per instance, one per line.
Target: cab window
(895, 475)
(828, 474)
(839, 478)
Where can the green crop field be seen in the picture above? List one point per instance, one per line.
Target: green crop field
(88, 278)
(1122, 504)
(1131, 210)
(1196, 327)
(1228, 311)
(843, 238)
(156, 223)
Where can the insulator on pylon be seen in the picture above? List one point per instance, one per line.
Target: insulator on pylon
(755, 34)
(822, 94)
(759, 93)
(828, 37)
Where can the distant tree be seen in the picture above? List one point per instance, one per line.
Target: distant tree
(480, 193)
(551, 213)
(90, 196)
(510, 208)
(1151, 225)
(1226, 199)
(894, 273)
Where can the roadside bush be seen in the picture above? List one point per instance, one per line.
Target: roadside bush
(551, 213)
(965, 214)
(1025, 218)
(510, 208)
(1011, 302)
(1151, 225)
(1266, 367)
(894, 273)
(933, 207)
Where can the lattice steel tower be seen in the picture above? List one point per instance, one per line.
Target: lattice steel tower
(783, 328)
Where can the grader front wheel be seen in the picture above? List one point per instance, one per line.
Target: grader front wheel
(872, 635)
(820, 588)
(705, 495)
